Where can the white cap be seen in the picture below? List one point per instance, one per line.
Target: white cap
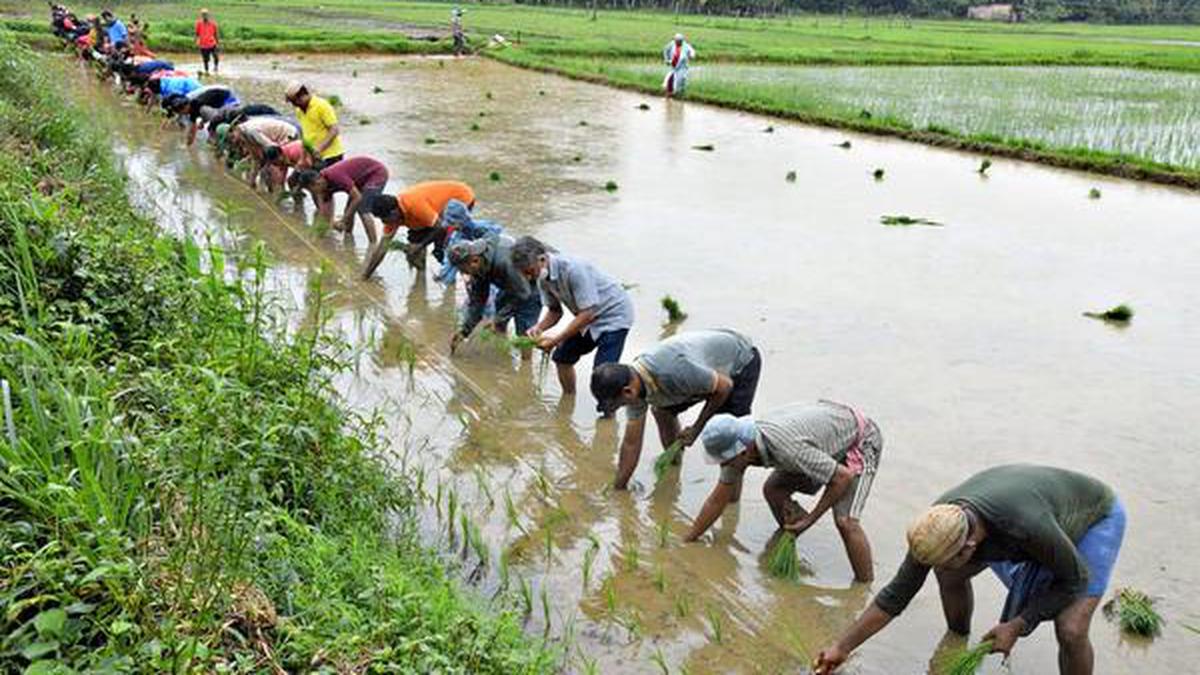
(725, 436)
(293, 88)
(678, 37)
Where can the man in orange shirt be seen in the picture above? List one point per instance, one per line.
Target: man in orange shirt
(206, 40)
(419, 208)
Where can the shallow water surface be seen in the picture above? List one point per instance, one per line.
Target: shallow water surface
(965, 343)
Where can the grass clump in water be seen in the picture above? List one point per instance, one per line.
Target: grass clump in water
(643, 106)
(769, 130)
(966, 661)
(611, 186)
(790, 176)
(494, 176)
(377, 89)
(668, 457)
(474, 126)
(782, 561)
(364, 121)
(845, 145)
(1134, 612)
(335, 100)
(706, 147)
(522, 342)
(984, 166)
(1120, 314)
(675, 313)
(877, 174)
(907, 221)
(1094, 193)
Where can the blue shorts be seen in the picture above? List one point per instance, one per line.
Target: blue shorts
(1099, 547)
(608, 347)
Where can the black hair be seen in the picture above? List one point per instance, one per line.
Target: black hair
(607, 382)
(383, 206)
(305, 178)
(526, 252)
(272, 153)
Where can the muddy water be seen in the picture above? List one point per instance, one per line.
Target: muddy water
(964, 342)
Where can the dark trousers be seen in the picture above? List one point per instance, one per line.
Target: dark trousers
(211, 53)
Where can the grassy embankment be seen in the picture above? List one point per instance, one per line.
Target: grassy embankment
(568, 42)
(180, 491)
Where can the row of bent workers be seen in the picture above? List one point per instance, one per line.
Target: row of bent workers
(1050, 535)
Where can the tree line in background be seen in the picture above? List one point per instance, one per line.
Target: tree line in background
(1100, 11)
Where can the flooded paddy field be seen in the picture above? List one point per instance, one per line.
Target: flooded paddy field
(964, 342)
(1146, 114)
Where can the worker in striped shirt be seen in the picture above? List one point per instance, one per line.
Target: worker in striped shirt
(809, 447)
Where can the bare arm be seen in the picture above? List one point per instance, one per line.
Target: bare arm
(377, 254)
(837, 486)
(347, 223)
(631, 451)
(551, 318)
(714, 506)
(722, 387)
(195, 125)
(329, 139)
(581, 321)
(868, 624)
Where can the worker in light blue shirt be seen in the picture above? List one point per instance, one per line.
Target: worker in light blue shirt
(118, 35)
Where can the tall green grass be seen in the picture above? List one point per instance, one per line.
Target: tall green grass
(184, 494)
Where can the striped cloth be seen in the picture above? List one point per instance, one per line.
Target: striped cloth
(812, 439)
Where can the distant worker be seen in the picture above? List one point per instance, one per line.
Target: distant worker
(677, 54)
(418, 208)
(456, 31)
(602, 312)
(825, 447)
(717, 367)
(118, 35)
(208, 41)
(488, 261)
(1051, 536)
(361, 178)
(319, 123)
(189, 108)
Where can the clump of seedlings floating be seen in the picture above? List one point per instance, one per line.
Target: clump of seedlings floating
(877, 174)
(782, 561)
(521, 342)
(364, 121)
(353, 73)
(643, 106)
(715, 624)
(984, 166)
(335, 100)
(430, 140)
(907, 221)
(790, 177)
(769, 130)
(474, 126)
(1134, 612)
(583, 123)
(668, 457)
(611, 186)
(589, 558)
(966, 660)
(845, 145)
(487, 95)
(1120, 314)
(1094, 193)
(577, 158)
(494, 176)
(675, 313)
(377, 89)
(706, 147)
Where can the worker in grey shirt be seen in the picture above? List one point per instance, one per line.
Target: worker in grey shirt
(603, 312)
(718, 367)
(810, 446)
(488, 261)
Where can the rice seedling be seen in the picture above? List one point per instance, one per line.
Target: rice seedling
(668, 457)
(522, 342)
(611, 186)
(430, 140)
(1120, 314)
(716, 624)
(877, 174)
(790, 176)
(1134, 612)
(589, 558)
(660, 578)
(782, 561)
(548, 541)
(488, 95)
(984, 166)
(503, 569)
(353, 73)
(706, 147)
(675, 313)
(683, 606)
(1094, 193)
(437, 499)
(632, 557)
(465, 524)
(377, 89)
(451, 511)
(526, 593)
(658, 659)
(906, 221)
(579, 158)
(643, 106)
(475, 126)
(966, 660)
(335, 100)
(510, 511)
(664, 533)
(1190, 627)
(483, 113)
(546, 622)
(588, 665)
(364, 121)
(610, 596)
(845, 145)
(484, 489)
(494, 176)
(769, 130)
(583, 123)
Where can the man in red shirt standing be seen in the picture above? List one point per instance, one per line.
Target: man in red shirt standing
(206, 40)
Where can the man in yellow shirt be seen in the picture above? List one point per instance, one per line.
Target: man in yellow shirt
(318, 122)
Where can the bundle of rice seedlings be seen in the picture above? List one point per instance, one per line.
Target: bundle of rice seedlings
(377, 89)
(769, 130)
(967, 661)
(790, 177)
(675, 313)
(488, 95)
(878, 174)
(611, 186)
(667, 458)
(707, 147)
(335, 100)
(494, 176)
(1120, 314)
(364, 121)
(1134, 612)
(430, 140)
(643, 106)
(845, 145)
(583, 123)
(1094, 193)
(904, 221)
(522, 342)
(782, 561)
(577, 158)
(984, 166)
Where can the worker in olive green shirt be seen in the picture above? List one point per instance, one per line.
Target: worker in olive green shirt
(1052, 537)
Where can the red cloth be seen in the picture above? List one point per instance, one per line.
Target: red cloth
(675, 55)
(206, 34)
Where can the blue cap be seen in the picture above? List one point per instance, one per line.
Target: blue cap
(725, 436)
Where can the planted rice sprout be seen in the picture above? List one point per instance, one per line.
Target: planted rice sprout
(1120, 314)
(474, 126)
(967, 660)
(660, 578)
(1134, 612)
(643, 106)
(1094, 193)
(488, 95)
(845, 145)
(503, 569)
(659, 660)
(589, 559)
(451, 511)
(668, 457)
(715, 624)
(494, 176)
(706, 147)
(907, 221)
(364, 121)
(611, 186)
(610, 597)
(526, 598)
(984, 166)
(377, 89)
(790, 177)
(683, 606)
(782, 561)
(335, 100)
(877, 174)
(430, 140)
(675, 313)
(664, 533)
(545, 611)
